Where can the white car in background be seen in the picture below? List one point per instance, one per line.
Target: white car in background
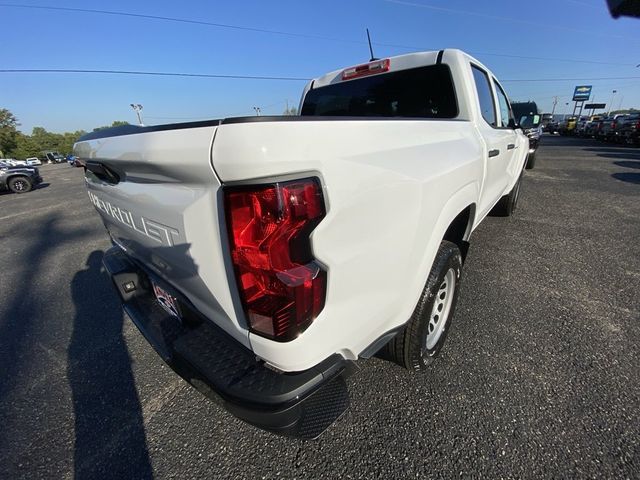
(11, 161)
(33, 161)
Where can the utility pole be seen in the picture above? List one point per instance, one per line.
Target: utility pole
(257, 109)
(138, 109)
(611, 103)
(553, 110)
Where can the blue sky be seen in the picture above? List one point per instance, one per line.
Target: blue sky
(335, 37)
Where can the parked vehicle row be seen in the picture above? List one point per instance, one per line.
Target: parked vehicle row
(29, 162)
(618, 128)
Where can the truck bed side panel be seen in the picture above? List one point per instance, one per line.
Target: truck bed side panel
(389, 188)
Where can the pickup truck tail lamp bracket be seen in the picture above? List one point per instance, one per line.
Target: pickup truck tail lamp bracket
(281, 286)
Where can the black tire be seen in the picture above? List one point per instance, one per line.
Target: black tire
(531, 161)
(20, 184)
(409, 347)
(507, 205)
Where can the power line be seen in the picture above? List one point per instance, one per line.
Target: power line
(497, 17)
(577, 79)
(280, 102)
(260, 77)
(302, 35)
(174, 19)
(160, 74)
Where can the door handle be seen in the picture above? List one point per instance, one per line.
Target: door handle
(494, 153)
(511, 146)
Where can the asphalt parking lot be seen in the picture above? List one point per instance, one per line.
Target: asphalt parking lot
(540, 376)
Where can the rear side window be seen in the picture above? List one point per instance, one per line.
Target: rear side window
(483, 87)
(424, 92)
(505, 111)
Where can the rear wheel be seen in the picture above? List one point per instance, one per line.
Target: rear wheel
(506, 206)
(19, 184)
(419, 343)
(531, 161)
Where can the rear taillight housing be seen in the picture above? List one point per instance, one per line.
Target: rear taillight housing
(371, 68)
(282, 287)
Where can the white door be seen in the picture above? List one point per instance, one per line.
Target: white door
(501, 140)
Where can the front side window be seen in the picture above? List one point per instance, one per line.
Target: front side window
(485, 96)
(423, 92)
(505, 111)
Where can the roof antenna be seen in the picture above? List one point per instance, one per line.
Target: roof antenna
(370, 47)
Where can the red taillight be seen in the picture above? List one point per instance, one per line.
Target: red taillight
(613, 125)
(281, 286)
(379, 66)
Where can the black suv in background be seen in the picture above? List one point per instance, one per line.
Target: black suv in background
(18, 179)
(528, 117)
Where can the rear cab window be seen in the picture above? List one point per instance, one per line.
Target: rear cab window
(422, 92)
(503, 102)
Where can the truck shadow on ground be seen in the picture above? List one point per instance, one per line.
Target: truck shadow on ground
(612, 148)
(110, 440)
(621, 155)
(627, 164)
(631, 177)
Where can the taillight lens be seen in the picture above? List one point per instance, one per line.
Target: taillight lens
(281, 286)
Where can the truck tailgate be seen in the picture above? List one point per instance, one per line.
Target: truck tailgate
(160, 203)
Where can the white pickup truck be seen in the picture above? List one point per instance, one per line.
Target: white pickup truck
(262, 256)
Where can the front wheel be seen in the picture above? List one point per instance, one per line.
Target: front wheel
(421, 340)
(19, 184)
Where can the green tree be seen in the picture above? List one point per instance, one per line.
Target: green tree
(25, 147)
(68, 139)
(8, 131)
(116, 123)
(45, 140)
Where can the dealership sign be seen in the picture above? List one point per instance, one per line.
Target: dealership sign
(582, 93)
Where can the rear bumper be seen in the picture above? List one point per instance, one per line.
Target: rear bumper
(301, 404)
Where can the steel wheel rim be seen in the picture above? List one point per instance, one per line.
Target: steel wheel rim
(439, 315)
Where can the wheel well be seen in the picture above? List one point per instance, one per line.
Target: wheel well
(460, 229)
(17, 175)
